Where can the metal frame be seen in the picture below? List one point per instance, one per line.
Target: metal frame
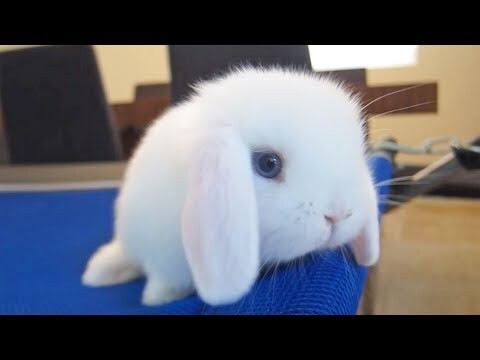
(430, 177)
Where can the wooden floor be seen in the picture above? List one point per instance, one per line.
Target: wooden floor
(430, 260)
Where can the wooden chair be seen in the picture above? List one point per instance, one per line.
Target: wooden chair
(54, 107)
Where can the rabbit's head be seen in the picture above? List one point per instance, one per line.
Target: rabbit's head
(277, 170)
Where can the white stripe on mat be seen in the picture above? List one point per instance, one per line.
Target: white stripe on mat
(64, 186)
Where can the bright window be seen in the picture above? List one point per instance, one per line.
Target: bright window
(338, 57)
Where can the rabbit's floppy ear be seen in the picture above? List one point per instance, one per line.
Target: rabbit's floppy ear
(366, 245)
(219, 219)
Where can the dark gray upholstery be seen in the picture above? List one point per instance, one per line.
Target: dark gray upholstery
(54, 107)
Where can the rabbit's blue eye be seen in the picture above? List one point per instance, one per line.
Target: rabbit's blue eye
(267, 164)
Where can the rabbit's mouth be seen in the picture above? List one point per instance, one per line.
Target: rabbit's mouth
(333, 240)
(330, 236)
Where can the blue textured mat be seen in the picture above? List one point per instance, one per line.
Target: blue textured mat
(47, 238)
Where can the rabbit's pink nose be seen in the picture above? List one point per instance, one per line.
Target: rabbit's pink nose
(334, 218)
(330, 219)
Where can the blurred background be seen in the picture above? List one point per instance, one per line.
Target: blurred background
(109, 94)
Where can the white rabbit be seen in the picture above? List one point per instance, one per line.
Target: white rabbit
(259, 166)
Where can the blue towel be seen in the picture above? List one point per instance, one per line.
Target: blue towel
(46, 240)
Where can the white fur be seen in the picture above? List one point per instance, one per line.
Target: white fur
(220, 221)
(316, 127)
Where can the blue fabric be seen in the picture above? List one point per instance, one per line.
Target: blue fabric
(47, 238)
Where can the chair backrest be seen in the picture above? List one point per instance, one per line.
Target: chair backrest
(190, 63)
(54, 107)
